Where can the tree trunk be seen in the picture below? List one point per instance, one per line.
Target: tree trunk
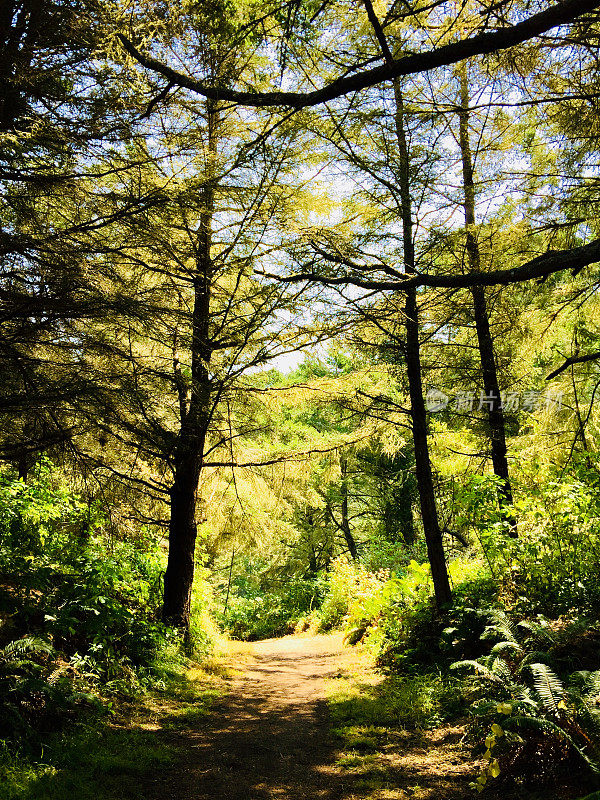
(179, 575)
(23, 467)
(431, 525)
(351, 543)
(493, 402)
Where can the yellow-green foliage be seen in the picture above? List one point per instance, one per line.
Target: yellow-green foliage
(357, 599)
(350, 587)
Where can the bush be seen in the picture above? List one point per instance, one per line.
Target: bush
(79, 616)
(534, 722)
(351, 594)
(552, 567)
(261, 615)
(415, 636)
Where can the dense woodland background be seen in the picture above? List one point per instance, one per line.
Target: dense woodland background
(299, 330)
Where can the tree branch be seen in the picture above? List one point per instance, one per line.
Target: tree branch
(561, 13)
(575, 259)
(574, 360)
(290, 457)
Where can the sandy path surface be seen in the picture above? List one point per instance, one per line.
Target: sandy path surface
(268, 738)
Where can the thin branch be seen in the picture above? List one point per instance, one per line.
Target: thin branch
(281, 459)
(574, 360)
(575, 259)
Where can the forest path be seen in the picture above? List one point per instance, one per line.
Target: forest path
(269, 736)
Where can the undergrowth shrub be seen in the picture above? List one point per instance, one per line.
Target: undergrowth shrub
(533, 721)
(79, 614)
(418, 701)
(254, 614)
(552, 566)
(351, 594)
(414, 636)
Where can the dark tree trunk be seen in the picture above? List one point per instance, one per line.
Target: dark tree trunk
(495, 414)
(350, 541)
(23, 467)
(429, 515)
(179, 575)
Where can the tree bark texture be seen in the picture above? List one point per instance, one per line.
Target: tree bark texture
(179, 575)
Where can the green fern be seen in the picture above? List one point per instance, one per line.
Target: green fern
(507, 647)
(540, 702)
(500, 627)
(481, 669)
(18, 648)
(548, 686)
(539, 634)
(549, 728)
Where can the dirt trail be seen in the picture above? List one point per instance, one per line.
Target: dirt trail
(268, 738)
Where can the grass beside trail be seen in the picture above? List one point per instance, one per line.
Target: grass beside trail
(403, 737)
(110, 757)
(396, 735)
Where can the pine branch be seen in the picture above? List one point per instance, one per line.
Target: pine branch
(574, 360)
(489, 42)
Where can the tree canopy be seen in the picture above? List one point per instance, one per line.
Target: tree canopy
(299, 314)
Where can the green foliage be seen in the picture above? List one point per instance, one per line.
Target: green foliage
(418, 701)
(536, 723)
(24, 686)
(552, 567)
(43, 515)
(350, 590)
(96, 759)
(416, 636)
(360, 601)
(252, 614)
(79, 615)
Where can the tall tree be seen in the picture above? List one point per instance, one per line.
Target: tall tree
(431, 525)
(493, 400)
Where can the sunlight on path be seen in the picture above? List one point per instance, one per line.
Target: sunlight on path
(270, 736)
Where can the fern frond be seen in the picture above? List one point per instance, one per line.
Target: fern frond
(500, 668)
(541, 635)
(588, 683)
(535, 656)
(589, 720)
(524, 702)
(16, 649)
(506, 646)
(500, 627)
(548, 686)
(549, 728)
(477, 667)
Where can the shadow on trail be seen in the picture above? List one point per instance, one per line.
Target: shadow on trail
(260, 754)
(268, 738)
(244, 751)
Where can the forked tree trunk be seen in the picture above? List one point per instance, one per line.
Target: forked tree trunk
(493, 403)
(179, 575)
(429, 515)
